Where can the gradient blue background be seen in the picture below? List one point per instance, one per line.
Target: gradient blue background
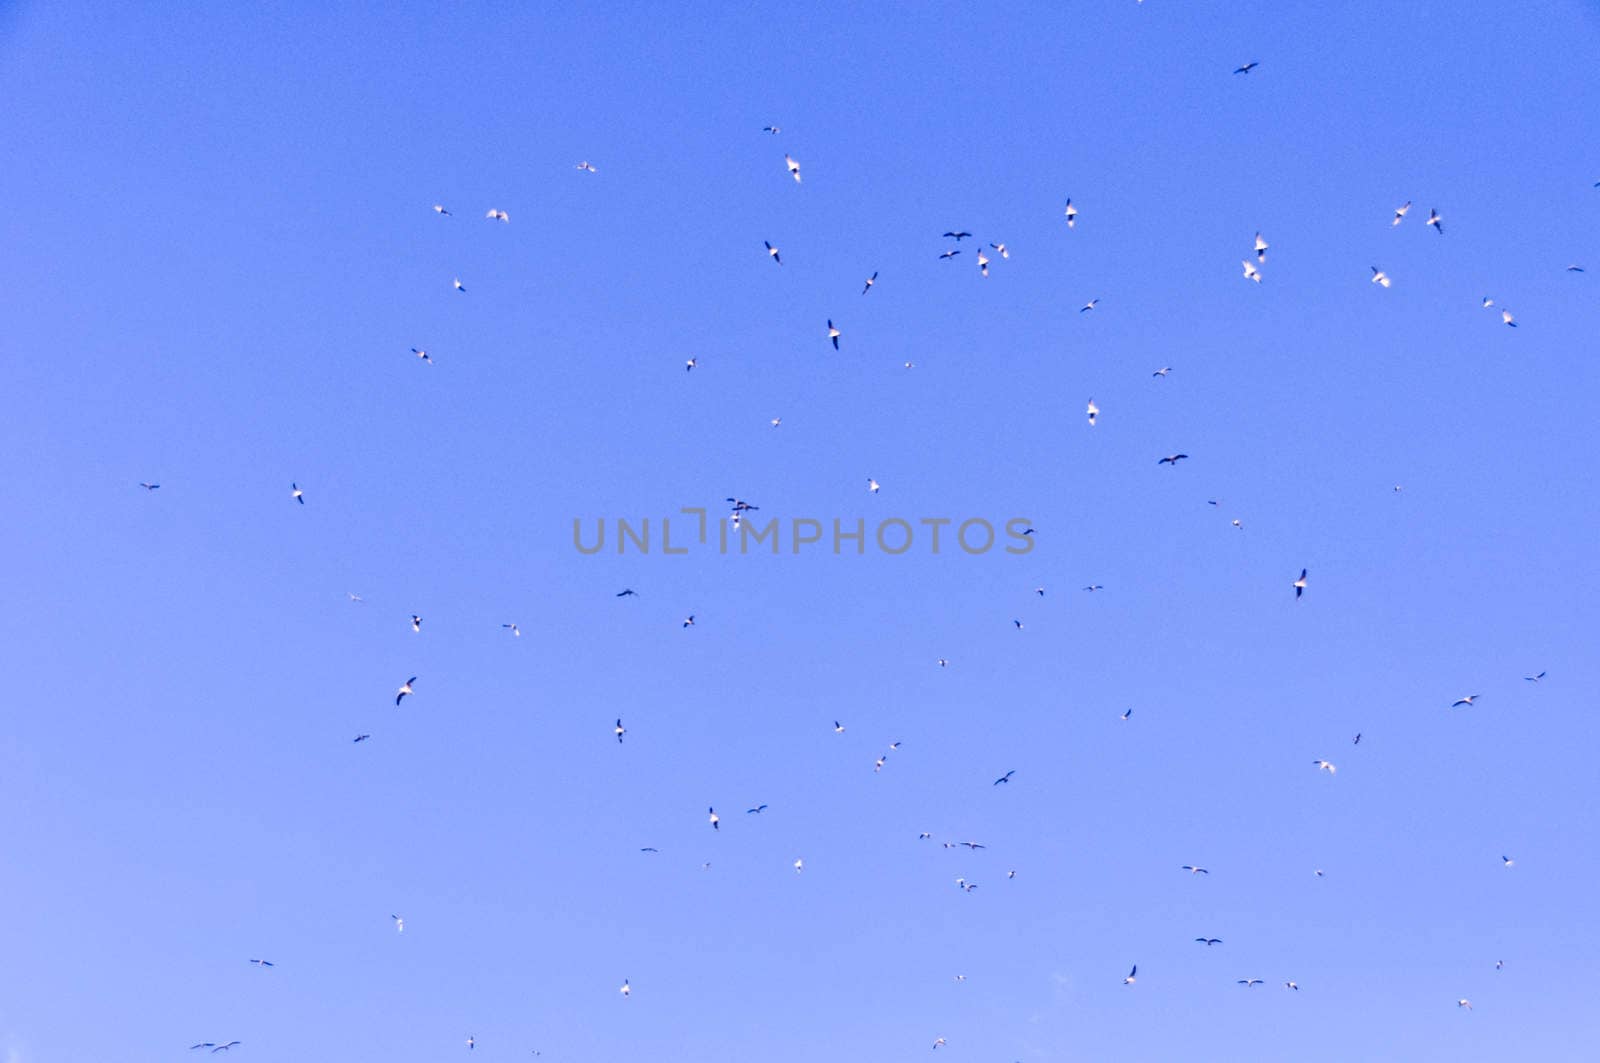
(219, 249)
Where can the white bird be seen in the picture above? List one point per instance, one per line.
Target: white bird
(873, 485)
(619, 730)
(514, 629)
(1002, 249)
(1300, 585)
(1468, 700)
(422, 355)
(585, 166)
(1291, 985)
(943, 662)
(1505, 315)
(688, 367)
(297, 494)
(625, 989)
(1248, 982)
(773, 251)
(838, 728)
(1072, 214)
(438, 209)
(1533, 678)
(459, 286)
(1464, 1003)
(776, 421)
(416, 623)
(1400, 213)
(1094, 411)
(1090, 305)
(472, 1042)
(833, 334)
(1380, 277)
(937, 1042)
(1129, 980)
(1192, 869)
(983, 263)
(1250, 271)
(1163, 371)
(500, 214)
(1238, 525)
(353, 596)
(405, 688)
(878, 766)
(1261, 249)
(399, 924)
(870, 282)
(794, 168)
(1126, 713)
(771, 129)
(1487, 302)
(1506, 861)
(1323, 765)
(713, 819)
(1436, 221)
(799, 865)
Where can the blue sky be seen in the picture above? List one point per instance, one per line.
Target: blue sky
(220, 252)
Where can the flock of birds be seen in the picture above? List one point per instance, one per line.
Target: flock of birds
(1254, 268)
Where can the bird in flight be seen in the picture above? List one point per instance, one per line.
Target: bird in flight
(626, 989)
(627, 592)
(1004, 778)
(1464, 1003)
(756, 810)
(688, 621)
(584, 165)
(1002, 249)
(1400, 213)
(297, 494)
(214, 1046)
(1247, 68)
(1090, 305)
(619, 730)
(838, 728)
(1506, 861)
(514, 629)
(799, 865)
(877, 765)
(1237, 523)
(773, 251)
(774, 130)
(399, 924)
(1072, 215)
(472, 1042)
(688, 367)
(943, 662)
(1380, 277)
(1126, 713)
(1323, 765)
(1357, 740)
(715, 822)
(937, 1041)
(649, 849)
(1533, 678)
(1498, 964)
(1261, 249)
(263, 963)
(416, 623)
(1248, 982)
(1436, 221)
(1250, 271)
(1208, 942)
(1018, 623)
(438, 209)
(405, 688)
(873, 485)
(794, 168)
(1468, 700)
(459, 286)
(1172, 459)
(497, 215)
(1505, 315)
(422, 354)
(983, 263)
(1574, 269)
(1300, 585)
(1291, 985)
(1163, 371)
(958, 237)
(776, 421)
(149, 487)
(1193, 870)
(833, 334)
(949, 254)
(1129, 980)
(360, 738)
(1094, 411)
(870, 282)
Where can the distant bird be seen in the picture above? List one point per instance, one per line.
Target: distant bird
(776, 421)
(149, 487)
(983, 263)
(1487, 302)
(458, 285)
(585, 166)
(943, 662)
(937, 1042)
(297, 494)
(360, 738)
(1261, 249)
(878, 765)
(771, 129)
(422, 354)
(1380, 277)
(1400, 213)
(1090, 305)
(416, 623)
(794, 168)
(1574, 269)
(1192, 869)
(471, 1042)
(1094, 411)
(1129, 980)
(1237, 523)
(1095, 587)
(399, 924)
(649, 849)
(1039, 591)
(627, 592)
(1323, 765)
(1317, 872)
(799, 865)
(499, 215)
(1072, 215)
(1018, 623)
(838, 728)
(1498, 964)
(1533, 678)
(263, 963)
(1126, 713)
(1006, 777)
(619, 730)
(1248, 982)
(1464, 1003)
(1357, 740)
(1246, 68)
(1011, 874)
(756, 810)
(1506, 861)
(715, 822)
(688, 367)
(873, 485)
(1436, 221)
(1291, 985)
(1208, 942)
(514, 629)
(958, 237)
(949, 254)
(773, 251)
(1505, 315)
(688, 621)
(833, 334)
(1172, 459)
(1468, 700)
(1002, 249)
(1300, 585)
(215, 1048)
(1250, 271)
(870, 282)
(961, 978)
(625, 989)
(1163, 371)
(437, 209)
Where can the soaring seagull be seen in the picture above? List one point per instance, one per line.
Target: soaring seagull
(405, 688)
(1300, 585)
(1172, 459)
(1247, 68)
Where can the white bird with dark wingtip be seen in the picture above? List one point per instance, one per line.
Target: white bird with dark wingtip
(773, 251)
(458, 285)
(1379, 277)
(619, 730)
(1300, 585)
(799, 865)
(399, 924)
(1464, 1003)
(1506, 861)
(774, 130)
(794, 168)
(439, 209)
(1163, 371)
(1505, 315)
(833, 334)
(1261, 249)
(1130, 979)
(514, 629)
(625, 989)
(1191, 868)
(873, 485)
(149, 486)
(870, 282)
(584, 165)
(1090, 305)
(1072, 214)
(1094, 411)
(497, 215)
(1292, 985)
(297, 494)
(1468, 700)
(416, 623)
(1002, 249)
(983, 263)
(1400, 213)
(1248, 982)
(422, 354)
(715, 821)
(1436, 221)
(1533, 678)
(1323, 765)
(1250, 271)
(405, 688)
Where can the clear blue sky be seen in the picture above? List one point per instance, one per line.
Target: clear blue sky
(220, 249)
